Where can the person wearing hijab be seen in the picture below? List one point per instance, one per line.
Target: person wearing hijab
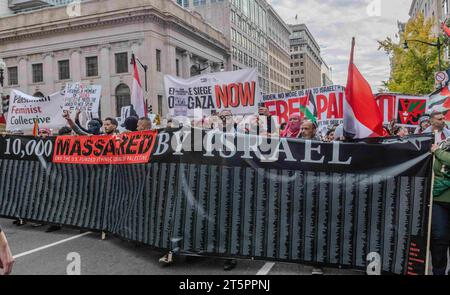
(293, 127)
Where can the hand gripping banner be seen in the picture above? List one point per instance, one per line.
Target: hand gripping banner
(357, 205)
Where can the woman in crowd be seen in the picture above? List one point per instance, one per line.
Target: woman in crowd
(293, 127)
(440, 231)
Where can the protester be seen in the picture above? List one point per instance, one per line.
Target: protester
(283, 127)
(110, 126)
(293, 127)
(268, 121)
(424, 123)
(169, 123)
(438, 127)
(309, 130)
(6, 258)
(44, 133)
(65, 131)
(94, 126)
(131, 124)
(440, 231)
(330, 135)
(226, 123)
(144, 124)
(401, 131)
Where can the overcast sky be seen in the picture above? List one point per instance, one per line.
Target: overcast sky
(334, 22)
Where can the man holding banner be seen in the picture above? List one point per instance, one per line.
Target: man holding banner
(440, 232)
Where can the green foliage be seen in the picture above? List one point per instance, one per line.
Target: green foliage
(413, 70)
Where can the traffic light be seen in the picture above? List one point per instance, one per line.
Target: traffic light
(5, 104)
(150, 109)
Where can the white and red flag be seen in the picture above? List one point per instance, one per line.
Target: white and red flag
(137, 94)
(362, 117)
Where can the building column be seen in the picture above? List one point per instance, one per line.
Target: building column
(23, 74)
(75, 65)
(186, 65)
(107, 101)
(49, 75)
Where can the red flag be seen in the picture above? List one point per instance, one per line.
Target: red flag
(362, 117)
(36, 129)
(137, 94)
(445, 29)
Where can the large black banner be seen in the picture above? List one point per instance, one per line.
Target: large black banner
(359, 205)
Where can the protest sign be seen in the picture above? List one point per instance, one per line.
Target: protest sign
(410, 109)
(387, 104)
(82, 97)
(237, 91)
(25, 110)
(328, 101)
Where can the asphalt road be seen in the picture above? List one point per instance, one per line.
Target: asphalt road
(41, 253)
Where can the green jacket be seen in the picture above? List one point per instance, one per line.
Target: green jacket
(441, 191)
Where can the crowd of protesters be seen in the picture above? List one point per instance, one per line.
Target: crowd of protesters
(298, 126)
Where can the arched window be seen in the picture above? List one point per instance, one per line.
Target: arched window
(123, 97)
(38, 94)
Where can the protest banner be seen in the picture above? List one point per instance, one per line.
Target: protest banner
(25, 110)
(328, 100)
(237, 91)
(127, 148)
(409, 110)
(332, 204)
(82, 97)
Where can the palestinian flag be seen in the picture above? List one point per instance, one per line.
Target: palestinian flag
(440, 101)
(310, 110)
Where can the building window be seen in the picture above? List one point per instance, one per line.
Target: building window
(38, 73)
(123, 98)
(121, 62)
(177, 64)
(158, 60)
(91, 66)
(39, 94)
(160, 104)
(13, 77)
(64, 69)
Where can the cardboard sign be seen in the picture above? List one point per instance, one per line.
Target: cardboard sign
(82, 97)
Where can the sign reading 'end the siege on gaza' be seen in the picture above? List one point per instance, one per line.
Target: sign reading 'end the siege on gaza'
(236, 91)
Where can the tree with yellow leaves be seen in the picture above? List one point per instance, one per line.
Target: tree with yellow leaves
(412, 70)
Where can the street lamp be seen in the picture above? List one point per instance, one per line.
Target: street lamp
(438, 44)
